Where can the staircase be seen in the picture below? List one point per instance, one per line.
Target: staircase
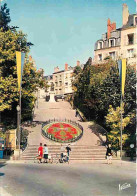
(78, 152)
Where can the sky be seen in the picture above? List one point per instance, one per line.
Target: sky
(64, 31)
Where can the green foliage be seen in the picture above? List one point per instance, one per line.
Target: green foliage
(113, 120)
(10, 42)
(77, 70)
(4, 17)
(2, 135)
(98, 87)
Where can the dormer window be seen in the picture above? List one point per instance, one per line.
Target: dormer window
(112, 42)
(130, 39)
(100, 44)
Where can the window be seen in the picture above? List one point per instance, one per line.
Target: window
(100, 57)
(130, 39)
(112, 54)
(60, 83)
(130, 53)
(100, 45)
(66, 84)
(56, 84)
(111, 42)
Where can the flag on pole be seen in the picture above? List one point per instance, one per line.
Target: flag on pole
(120, 69)
(20, 57)
(123, 75)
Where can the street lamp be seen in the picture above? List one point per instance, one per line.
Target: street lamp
(18, 127)
(37, 97)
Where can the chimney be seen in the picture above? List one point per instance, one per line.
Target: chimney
(56, 69)
(125, 14)
(110, 27)
(78, 63)
(66, 67)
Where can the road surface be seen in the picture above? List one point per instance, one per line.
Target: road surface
(98, 179)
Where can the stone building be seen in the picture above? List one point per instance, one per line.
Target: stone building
(63, 80)
(118, 42)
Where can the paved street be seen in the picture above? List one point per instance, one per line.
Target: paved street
(67, 180)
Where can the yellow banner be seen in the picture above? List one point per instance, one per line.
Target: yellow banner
(123, 75)
(20, 57)
(18, 60)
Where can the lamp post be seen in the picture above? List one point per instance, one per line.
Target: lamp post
(37, 97)
(18, 128)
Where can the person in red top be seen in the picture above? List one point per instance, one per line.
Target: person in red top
(40, 152)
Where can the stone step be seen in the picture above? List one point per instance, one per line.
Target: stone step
(72, 148)
(80, 153)
(89, 158)
(55, 145)
(72, 151)
(54, 155)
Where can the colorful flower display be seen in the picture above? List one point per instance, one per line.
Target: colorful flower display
(62, 131)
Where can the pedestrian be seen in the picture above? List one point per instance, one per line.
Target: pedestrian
(76, 113)
(68, 149)
(40, 152)
(45, 153)
(109, 154)
(61, 152)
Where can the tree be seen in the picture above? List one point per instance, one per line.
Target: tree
(10, 42)
(113, 121)
(88, 89)
(77, 70)
(4, 17)
(98, 87)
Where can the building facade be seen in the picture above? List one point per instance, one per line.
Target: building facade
(118, 43)
(50, 83)
(63, 80)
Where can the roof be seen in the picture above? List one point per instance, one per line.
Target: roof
(130, 22)
(58, 72)
(69, 69)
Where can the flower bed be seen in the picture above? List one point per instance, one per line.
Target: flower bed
(62, 131)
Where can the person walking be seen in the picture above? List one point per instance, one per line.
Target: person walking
(45, 153)
(40, 152)
(76, 113)
(68, 149)
(61, 152)
(109, 154)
